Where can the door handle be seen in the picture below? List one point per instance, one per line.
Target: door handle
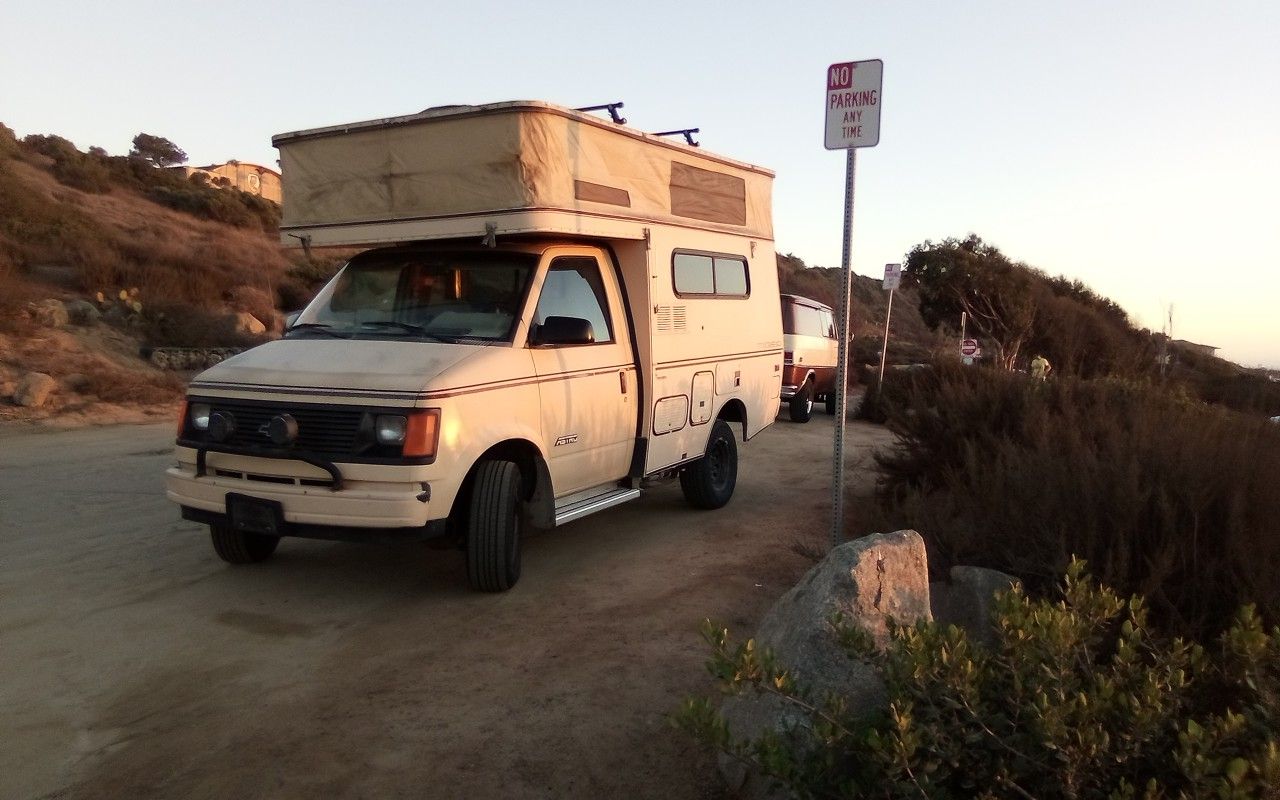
(622, 379)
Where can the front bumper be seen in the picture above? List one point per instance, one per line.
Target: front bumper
(304, 491)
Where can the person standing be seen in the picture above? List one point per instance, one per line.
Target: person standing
(1040, 367)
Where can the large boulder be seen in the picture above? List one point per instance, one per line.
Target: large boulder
(34, 389)
(968, 600)
(244, 322)
(50, 313)
(82, 312)
(868, 582)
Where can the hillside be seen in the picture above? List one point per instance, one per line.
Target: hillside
(143, 258)
(146, 258)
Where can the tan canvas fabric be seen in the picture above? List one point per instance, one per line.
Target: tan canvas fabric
(512, 156)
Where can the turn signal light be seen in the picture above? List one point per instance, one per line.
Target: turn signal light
(182, 419)
(422, 434)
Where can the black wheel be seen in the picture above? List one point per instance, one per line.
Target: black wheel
(709, 481)
(238, 547)
(829, 403)
(801, 406)
(493, 530)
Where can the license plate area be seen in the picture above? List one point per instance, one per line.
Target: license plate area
(255, 515)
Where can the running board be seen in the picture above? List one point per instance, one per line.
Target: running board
(577, 505)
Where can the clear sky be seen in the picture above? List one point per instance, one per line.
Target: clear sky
(1133, 146)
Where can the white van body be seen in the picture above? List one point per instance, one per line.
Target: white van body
(603, 303)
(810, 354)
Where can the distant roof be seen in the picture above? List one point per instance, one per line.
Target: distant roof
(243, 163)
(1185, 343)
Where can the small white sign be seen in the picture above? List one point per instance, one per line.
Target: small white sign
(970, 348)
(853, 104)
(892, 276)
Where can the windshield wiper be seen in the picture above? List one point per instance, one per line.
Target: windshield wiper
(319, 327)
(407, 327)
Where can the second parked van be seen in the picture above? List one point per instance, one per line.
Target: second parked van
(810, 355)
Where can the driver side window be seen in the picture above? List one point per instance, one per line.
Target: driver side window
(574, 288)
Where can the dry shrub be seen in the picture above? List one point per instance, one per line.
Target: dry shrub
(132, 386)
(252, 300)
(1162, 496)
(178, 325)
(15, 293)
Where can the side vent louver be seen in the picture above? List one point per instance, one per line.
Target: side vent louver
(671, 319)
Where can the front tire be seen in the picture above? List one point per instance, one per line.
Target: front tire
(709, 482)
(239, 547)
(493, 529)
(801, 407)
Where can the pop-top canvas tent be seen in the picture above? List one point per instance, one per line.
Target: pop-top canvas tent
(515, 167)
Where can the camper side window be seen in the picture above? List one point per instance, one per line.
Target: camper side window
(709, 274)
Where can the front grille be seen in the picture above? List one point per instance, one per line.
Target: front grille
(323, 430)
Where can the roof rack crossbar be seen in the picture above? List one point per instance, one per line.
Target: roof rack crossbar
(687, 133)
(612, 109)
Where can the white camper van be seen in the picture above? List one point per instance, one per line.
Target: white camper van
(553, 309)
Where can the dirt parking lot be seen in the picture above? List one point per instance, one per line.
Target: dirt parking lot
(134, 663)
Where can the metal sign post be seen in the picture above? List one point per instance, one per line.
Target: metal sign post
(892, 279)
(852, 121)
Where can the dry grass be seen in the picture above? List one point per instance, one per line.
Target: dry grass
(116, 385)
(1165, 497)
(122, 240)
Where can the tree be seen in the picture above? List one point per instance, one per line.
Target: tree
(968, 275)
(157, 151)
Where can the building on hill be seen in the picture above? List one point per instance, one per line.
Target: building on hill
(1206, 349)
(242, 175)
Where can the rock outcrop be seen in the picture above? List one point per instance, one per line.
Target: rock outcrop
(34, 389)
(50, 313)
(968, 600)
(189, 358)
(82, 312)
(869, 582)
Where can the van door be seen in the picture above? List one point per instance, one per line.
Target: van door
(588, 390)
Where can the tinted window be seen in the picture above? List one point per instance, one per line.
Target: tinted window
(828, 324)
(724, 276)
(731, 276)
(421, 294)
(801, 320)
(574, 288)
(694, 274)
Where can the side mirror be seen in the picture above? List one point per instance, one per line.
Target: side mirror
(291, 318)
(564, 330)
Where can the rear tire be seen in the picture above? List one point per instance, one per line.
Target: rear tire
(801, 407)
(239, 547)
(829, 403)
(493, 529)
(709, 482)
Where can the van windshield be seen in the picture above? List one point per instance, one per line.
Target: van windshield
(430, 296)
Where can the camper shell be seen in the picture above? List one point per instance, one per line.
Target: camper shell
(552, 310)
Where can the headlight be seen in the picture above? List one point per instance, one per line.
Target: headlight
(390, 428)
(199, 414)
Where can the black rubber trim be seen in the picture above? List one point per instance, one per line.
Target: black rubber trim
(289, 455)
(337, 533)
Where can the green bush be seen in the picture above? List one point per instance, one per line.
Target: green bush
(1077, 698)
(1165, 496)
